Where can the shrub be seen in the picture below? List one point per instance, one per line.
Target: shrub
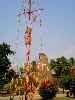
(72, 86)
(48, 90)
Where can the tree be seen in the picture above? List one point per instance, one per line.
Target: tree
(11, 74)
(69, 84)
(62, 66)
(72, 86)
(5, 63)
(72, 61)
(52, 63)
(66, 82)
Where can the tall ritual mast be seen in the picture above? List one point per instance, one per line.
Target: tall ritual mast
(30, 16)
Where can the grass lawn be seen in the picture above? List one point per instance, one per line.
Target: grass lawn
(63, 98)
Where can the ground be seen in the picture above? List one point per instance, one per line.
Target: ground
(63, 98)
(57, 98)
(37, 97)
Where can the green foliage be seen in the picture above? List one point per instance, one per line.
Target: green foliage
(52, 63)
(5, 63)
(11, 74)
(66, 82)
(69, 84)
(72, 61)
(72, 86)
(61, 65)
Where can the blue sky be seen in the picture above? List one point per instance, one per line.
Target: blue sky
(57, 31)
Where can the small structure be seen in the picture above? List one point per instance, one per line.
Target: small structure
(43, 71)
(42, 62)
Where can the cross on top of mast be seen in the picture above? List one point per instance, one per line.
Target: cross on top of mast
(28, 11)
